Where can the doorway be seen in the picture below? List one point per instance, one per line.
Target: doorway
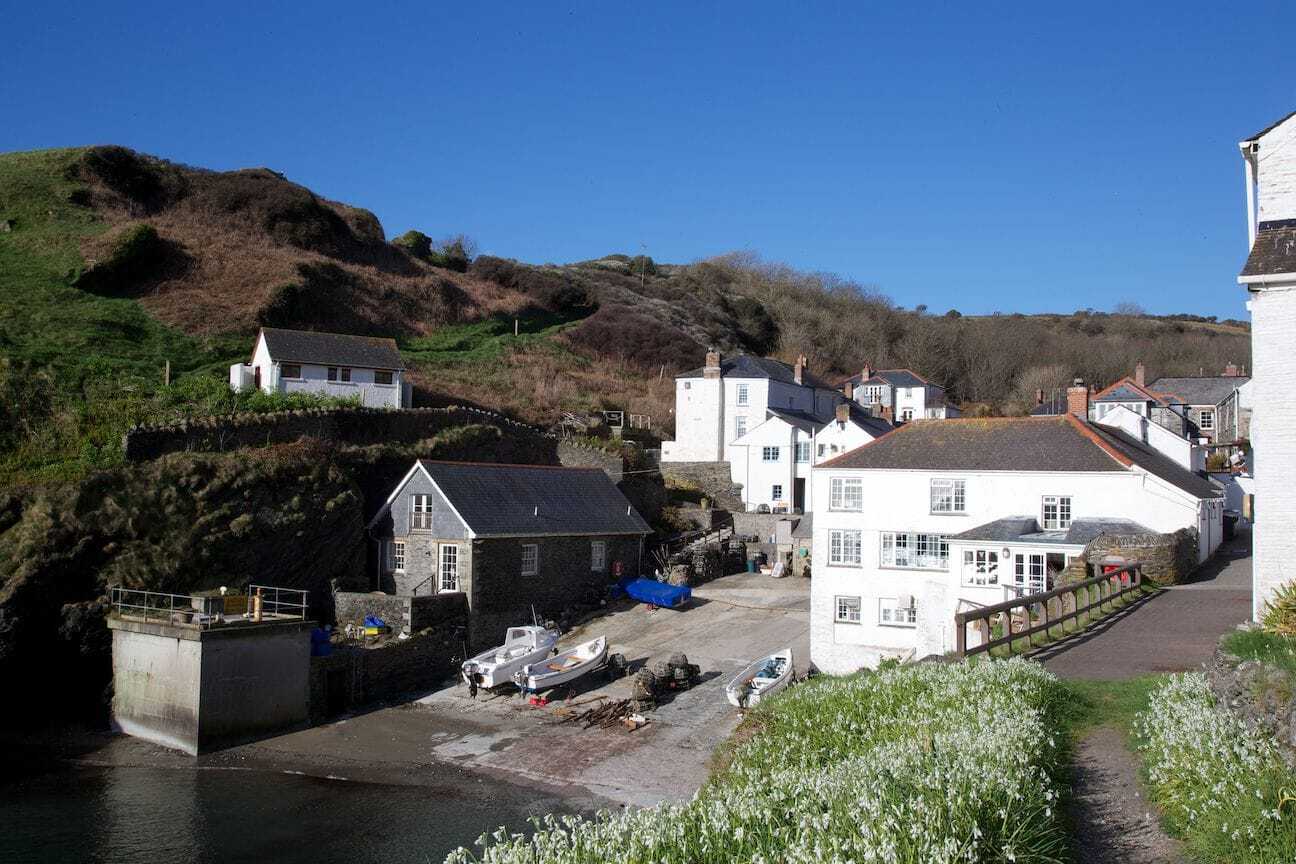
(798, 494)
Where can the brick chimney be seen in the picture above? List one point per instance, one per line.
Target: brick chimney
(866, 374)
(848, 389)
(1231, 369)
(884, 411)
(1078, 399)
(1140, 374)
(712, 367)
(798, 371)
(843, 412)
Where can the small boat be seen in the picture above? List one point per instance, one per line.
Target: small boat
(766, 676)
(522, 645)
(563, 667)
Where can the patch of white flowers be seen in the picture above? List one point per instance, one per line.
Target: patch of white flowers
(1224, 785)
(926, 763)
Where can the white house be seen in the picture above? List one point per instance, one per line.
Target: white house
(1269, 275)
(327, 364)
(935, 516)
(726, 398)
(900, 394)
(1185, 452)
(772, 461)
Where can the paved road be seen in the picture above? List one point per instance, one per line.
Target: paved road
(1174, 631)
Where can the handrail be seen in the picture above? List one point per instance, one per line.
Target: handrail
(279, 602)
(1110, 586)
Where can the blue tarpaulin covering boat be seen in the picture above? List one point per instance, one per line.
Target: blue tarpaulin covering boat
(657, 593)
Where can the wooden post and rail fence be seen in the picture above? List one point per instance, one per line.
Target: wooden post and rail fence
(1038, 613)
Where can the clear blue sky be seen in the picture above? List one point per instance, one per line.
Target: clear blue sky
(978, 156)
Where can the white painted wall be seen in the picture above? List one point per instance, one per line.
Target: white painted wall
(1184, 452)
(900, 501)
(1276, 174)
(758, 477)
(707, 413)
(833, 439)
(1273, 427)
(314, 379)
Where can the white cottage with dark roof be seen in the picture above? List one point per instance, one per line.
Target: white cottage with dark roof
(1269, 274)
(937, 515)
(899, 394)
(509, 537)
(365, 368)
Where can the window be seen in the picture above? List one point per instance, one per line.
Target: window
(339, 373)
(873, 394)
(803, 451)
(1206, 421)
(848, 610)
(1028, 573)
(1057, 512)
(449, 567)
(382, 376)
(980, 567)
(742, 394)
(769, 454)
(906, 414)
(346, 374)
(822, 449)
(598, 556)
(844, 548)
(947, 496)
(776, 492)
(892, 614)
(290, 370)
(914, 550)
(421, 512)
(332, 373)
(846, 493)
(396, 556)
(688, 385)
(740, 426)
(530, 559)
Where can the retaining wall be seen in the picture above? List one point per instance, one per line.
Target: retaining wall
(711, 478)
(1261, 695)
(1166, 558)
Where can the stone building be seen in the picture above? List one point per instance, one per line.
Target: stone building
(509, 537)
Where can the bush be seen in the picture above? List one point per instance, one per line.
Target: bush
(622, 333)
(136, 256)
(551, 290)
(1280, 611)
(1223, 787)
(927, 763)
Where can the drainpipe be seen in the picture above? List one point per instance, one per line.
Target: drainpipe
(1249, 161)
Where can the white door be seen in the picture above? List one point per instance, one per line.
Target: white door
(449, 569)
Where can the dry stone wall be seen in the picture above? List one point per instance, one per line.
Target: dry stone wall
(1262, 695)
(1166, 558)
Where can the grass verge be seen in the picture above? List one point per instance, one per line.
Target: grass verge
(1269, 648)
(921, 763)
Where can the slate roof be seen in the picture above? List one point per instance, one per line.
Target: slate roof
(1269, 128)
(1274, 250)
(809, 423)
(805, 528)
(1024, 529)
(332, 349)
(502, 500)
(749, 366)
(1201, 390)
(1051, 406)
(894, 377)
(1000, 530)
(1064, 443)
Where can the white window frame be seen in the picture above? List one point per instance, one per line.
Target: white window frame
(283, 371)
(981, 567)
(740, 426)
(846, 494)
(598, 556)
(742, 395)
(776, 492)
(846, 610)
(803, 451)
(823, 448)
(845, 548)
(420, 517)
(948, 496)
(1203, 416)
(770, 454)
(1061, 519)
(906, 414)
(531, 559)
(891, 614)
(396, 556)
(448, 565)
(1025, 575)
(917, 555)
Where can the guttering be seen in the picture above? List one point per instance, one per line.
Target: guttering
(1262, 279)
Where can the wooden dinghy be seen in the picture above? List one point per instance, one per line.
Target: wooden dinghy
(563, 667)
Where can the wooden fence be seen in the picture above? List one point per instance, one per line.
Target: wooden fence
(1037, 613)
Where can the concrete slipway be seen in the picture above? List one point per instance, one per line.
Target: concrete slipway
(732, 621)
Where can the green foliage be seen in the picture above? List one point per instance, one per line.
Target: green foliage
(415, 243)
(1270, 647)
(1280, 611)
(453, 253)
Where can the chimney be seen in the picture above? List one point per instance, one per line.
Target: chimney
(1039, 396)
(1140, 374)
(843, 412)
(1078, 399)
(884, 411)
(712, 368)
(798, 370)
(1230, 370)
(848, 389)
(866, 374)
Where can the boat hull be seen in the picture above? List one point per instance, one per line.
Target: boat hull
(558, 669)
(489, 669)
(741, 693)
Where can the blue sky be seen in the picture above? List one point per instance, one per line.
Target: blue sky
(979, 156)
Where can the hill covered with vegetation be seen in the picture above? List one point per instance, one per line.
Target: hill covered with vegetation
(115, 264)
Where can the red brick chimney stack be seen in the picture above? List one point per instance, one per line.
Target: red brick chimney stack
(843, 412)
(1140, 374)
(1078, 399)
(712, 367)
(1231, 370)
(866, 374)
(848, 389)
(798, 371)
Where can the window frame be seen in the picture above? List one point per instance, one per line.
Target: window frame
(841, 610)
(420, 519)
(957, 495)
(837, 497)
(531, 550)
(391, 377)
(283, 371)
(802, 447)
(1057, 523)
(331, 374)
(396, 556)
(776, 492)
(1024, 575)
(598, 563)
(913, 541)
(453, 549)
(892, 604)
(1202, 416)
(837, 547)
(742, 394)
(767, 450)
(740, 426)
(345, 373)
(985, 564)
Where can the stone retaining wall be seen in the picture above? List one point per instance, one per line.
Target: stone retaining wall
(1263, 696)
(580, 456)
(711, 478)
(1166, 558)
(402, 613)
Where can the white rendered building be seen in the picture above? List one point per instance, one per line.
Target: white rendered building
(365, 368)
(899, 394)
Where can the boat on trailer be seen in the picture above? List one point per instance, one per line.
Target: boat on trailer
(563, 667)
(522, 645)
(761, 679)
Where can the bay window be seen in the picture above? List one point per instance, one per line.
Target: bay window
(914, 550)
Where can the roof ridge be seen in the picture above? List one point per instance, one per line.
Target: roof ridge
(1084, 427)
(510, 465)
(329, 333)
(887, 434)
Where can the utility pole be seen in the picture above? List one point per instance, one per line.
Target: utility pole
(166, 374)
(643, 265)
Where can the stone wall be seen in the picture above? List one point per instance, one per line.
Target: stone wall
(356, 426)
(764, 526)
(574, 455)
(1166, 558)
(712, 479)
(407, 614)
(1262, 695)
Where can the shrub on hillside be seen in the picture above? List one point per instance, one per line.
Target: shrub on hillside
(454, 253)
(136, 257)
(549, 289)
(623, 333)
(144, 183)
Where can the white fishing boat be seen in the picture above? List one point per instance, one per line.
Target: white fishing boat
(522, 645)
(563, 667)
(766, 676)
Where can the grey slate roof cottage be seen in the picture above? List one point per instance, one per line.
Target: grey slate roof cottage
(366, 368)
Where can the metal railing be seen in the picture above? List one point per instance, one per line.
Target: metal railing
(278, 602)
(167, 608)
(1038, 613)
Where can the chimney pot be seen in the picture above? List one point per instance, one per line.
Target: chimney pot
(799, 369)
(712, 368)
(1078, 399)
(1231, 370)
(1140, 374)
(843, 412)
